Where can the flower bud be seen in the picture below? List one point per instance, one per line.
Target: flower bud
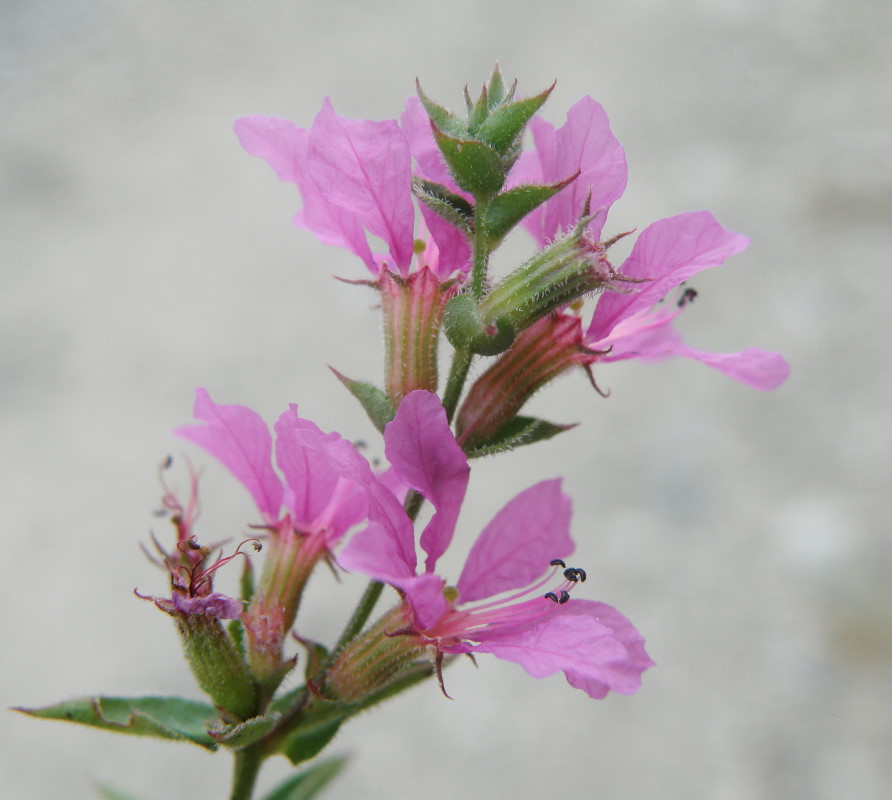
(218, 667)
(568, 269)
(412, 309)
(541, 353)
(374, 659)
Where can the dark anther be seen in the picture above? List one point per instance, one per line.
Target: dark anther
(571, 574)
(580, 573)
(556, 562)
(553, 596)
(565, 596)
(687, 296)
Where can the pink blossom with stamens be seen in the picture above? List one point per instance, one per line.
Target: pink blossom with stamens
(499, 604)
(666, 254)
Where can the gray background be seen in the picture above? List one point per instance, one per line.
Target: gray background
(745, 534)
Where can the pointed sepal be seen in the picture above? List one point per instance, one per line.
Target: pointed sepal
(243, 734)
(504, 126)
(375, 402)
(452, 207)
(442, 118)
(162, 717)
(505, 210)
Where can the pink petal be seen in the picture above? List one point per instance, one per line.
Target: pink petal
(584, 144)
(239, 439)
(651, 337)
(376, 552)
(318, 495)
(453, 249)
(760, 369)
(284, 147)
(422, 449)
(363, 167)
(623, 676)
(596, 647)
(666, 253)
(516, 547)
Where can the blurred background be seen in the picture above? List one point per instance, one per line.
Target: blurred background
(745, 534)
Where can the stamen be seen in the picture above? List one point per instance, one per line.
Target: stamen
(565, 596)
(557, 562)
(553, 596)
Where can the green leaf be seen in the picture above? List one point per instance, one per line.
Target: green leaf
(163, 717)
(505, 210)
(506, 122)
(375, 402)
(107, 792)
(310, 782)
(476, 167)
(452, 207)
(311, 737)
(242, 734)
(322, 721)
(516, 433)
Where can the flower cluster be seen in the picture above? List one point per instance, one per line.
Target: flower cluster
(441, 191)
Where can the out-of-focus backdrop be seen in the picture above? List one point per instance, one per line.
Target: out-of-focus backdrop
(746, 534)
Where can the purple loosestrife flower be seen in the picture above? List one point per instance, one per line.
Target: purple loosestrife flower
(591, 643)
(326, 488)
(666, 254)
(355, 178)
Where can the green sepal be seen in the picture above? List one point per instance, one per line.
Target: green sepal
(476, 167)
(243, 734)
(162, 717)
(505, 210)
(442, 118)
(466, 330)
(496, 88)
(516, 433)
(478, 113)
(452, 207)
(374, 400)
(307, 784)
(506, 123)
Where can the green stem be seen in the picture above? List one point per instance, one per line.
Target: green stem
(481, 248)
(245, 769)
(361, 613)
(458, 373)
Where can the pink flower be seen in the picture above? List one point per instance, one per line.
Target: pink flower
(355, 178)
(596, 647)
(320, 493)
(666, 254)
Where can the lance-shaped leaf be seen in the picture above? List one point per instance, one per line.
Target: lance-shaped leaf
(508, 208)
(163, 717)
(476, 167)
(242, 734)
(375, 402)
(519, 431)
(505, 124)
(307, 784)
(449, 205)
